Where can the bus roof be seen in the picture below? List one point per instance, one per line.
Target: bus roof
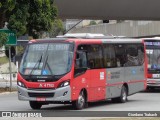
(93, 40)
(81, 35)
(153, 38)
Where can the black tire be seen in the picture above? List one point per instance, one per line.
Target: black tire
(123, 96)
(124, 93)
(81, 102)
(35, 105)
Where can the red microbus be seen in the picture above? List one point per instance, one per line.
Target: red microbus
(153, 57)
(81, 69)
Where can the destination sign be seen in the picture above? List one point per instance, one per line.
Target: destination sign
(152, 43)
(50, 47)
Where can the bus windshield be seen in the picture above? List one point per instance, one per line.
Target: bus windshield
(153, 59)
(47, 59)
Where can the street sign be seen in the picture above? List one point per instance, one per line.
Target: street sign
(12, 40)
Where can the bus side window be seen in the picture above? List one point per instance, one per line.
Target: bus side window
(109, 56)
(141, 54)
(120, 55)
(135, 55)
(90, 60)
(80, 62)
(77, 62)
(95, 58)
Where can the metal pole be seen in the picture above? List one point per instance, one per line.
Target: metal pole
(10, 69)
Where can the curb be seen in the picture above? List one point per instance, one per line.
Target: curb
(6, 93)
(2, 80)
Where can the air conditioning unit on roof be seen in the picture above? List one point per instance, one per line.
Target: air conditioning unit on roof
(82, 35)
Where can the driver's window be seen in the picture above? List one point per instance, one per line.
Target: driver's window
(81, 60)
(77, 62)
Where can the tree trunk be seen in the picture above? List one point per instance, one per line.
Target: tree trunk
(2, 19)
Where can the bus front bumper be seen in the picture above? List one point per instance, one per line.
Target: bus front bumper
(153, 82)
(54, 95)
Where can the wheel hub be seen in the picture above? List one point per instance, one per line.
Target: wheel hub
(81, 100)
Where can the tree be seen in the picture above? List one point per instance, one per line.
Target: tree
(57, 28)
(3, 39)
(17, 18)
(30, 16)
(42, 16)
(5, 6)
(92, 23)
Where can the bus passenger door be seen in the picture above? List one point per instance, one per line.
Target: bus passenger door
(97, 72)
(81, 75)
(97, 84)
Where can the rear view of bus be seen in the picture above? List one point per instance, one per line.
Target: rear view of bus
(153, 54)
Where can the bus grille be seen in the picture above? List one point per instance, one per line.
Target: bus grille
(41, 94)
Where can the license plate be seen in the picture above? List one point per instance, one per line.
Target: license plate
(40, 99)
(156, 75)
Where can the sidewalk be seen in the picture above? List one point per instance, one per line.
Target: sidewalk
(6, 83)
(5, 76)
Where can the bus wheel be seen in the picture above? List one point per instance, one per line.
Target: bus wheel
(123, 97)
(80, 103)
(35, 105)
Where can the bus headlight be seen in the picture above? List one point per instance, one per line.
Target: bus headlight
(64, 83)
(21, 84)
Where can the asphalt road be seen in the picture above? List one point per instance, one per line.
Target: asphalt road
(143, 101)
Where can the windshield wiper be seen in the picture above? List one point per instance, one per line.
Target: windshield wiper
(46, 63)
(37, 63)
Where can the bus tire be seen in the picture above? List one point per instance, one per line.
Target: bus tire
(35, 105)
(123, 97)
(80, 102)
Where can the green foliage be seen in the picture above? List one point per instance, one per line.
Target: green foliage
(7, 5)
(57, 28)
(42, 15)
(20, 49)
(3, 38)
(18, 17)
(92, 23)
(3, 60)
(30, 16)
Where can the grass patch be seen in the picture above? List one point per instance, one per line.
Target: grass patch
(3, 60)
